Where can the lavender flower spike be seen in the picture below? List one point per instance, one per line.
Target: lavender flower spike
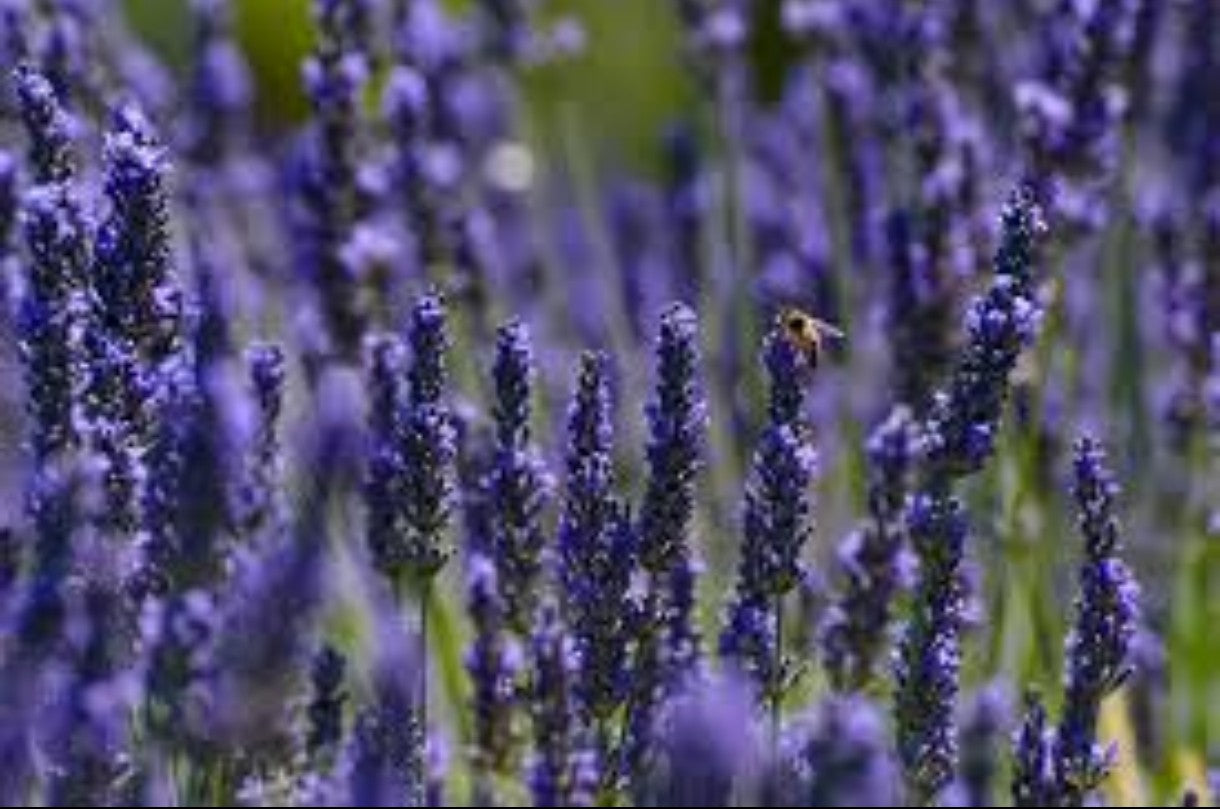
(677, 419)
(51, 315)
(929, 655)
(134, 275)
(1033, 774)
(855, 630)
(552, 776)
(518, 483)
(49, 126)
(777, 525)
(1100, 642)
(426, 437)
(958, 437)
(410, 485)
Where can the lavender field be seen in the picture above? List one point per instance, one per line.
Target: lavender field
(610, 403)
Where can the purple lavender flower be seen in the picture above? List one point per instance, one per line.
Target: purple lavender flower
(385, 364)
(385, 765)
(705, 746)
(328, 195)
(552, 774)
(1033, 778)
(777, 525)
(840, 758)
(425, 433)
(1100, 642)
(88, 724)
(929, 655)
(963, 422)
(518, 484)
(133, 275)
(677, 418)
(220, 86)
(410, 483)
(855, 630)
(50, 128)
(56, 233)
(492, 663)
(262, 507)
(983, 732)
(957, 438)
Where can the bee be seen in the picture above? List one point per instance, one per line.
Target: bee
(806, 332)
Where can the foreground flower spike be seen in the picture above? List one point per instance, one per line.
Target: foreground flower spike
(840, 758)
(1033, 771)
(425, 434)
(588, 503)
(49, 127)
(518, 483)
(855, 631)
(88, 737)
(51, 316)
(929, 662)
(778, 522)
(984, 734)
(493, 665)
(957, 438)
(552, 774)
(134, 278)
(1099, 646)
(677, 421)
(385, 757)
(410, 482)
(705, 744)
(335, 77)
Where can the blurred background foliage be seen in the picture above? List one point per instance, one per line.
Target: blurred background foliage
(621, 94)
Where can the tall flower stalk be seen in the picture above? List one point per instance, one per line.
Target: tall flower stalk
(957, 437)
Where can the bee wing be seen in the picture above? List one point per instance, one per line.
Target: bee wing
(827, 330)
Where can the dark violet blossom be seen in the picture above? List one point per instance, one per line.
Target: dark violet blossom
(854, 633)
(50, 128)
(327, 192)
(778, 522)
(553, 770)
(410, 481)
(493, 662)
(133, 275)
(677, 418)
(262, 506)
(51, 315)
(706, 744)
(838, 757)
(957, 438)
(929, 655)
(518, 484)
(588, 504)
(385, 756)
(1099, 645)
(1033, 778)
